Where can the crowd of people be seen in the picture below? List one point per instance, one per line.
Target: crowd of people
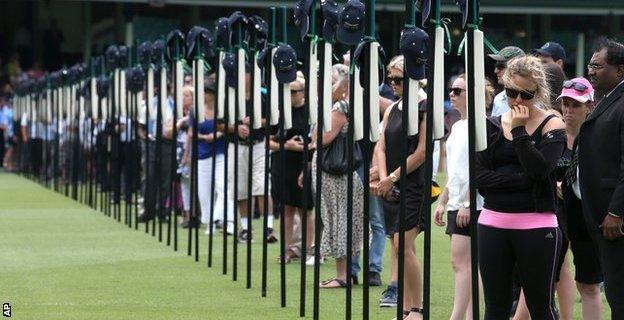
(550, 181)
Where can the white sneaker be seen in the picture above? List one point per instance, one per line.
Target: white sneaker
(207, 232)
(310, 261)
(229, 229)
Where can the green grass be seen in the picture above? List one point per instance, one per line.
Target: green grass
(63, 260)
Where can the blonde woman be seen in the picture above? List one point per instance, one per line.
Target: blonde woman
(455, 199)
(517, 227)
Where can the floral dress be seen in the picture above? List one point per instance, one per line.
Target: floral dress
(334, 207)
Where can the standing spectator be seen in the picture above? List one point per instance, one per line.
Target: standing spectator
(551, 52)
(577, 103)
(388, 160)
(555, 78)
(290, 195)
(7, 126)
(502, 58)
(248, 138)
(601, 170)
(518, 227)
(455, 199)
(334, 196)
(209, 145)
(152, 205)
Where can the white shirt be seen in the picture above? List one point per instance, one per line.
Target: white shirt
(458, 178)
(500, 105)
(166, 117)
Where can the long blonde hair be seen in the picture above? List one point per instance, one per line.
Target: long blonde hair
(530, 67)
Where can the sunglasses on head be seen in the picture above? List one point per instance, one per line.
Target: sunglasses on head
(525, 95)
(395, 80)
(576, 85)
(456, 91)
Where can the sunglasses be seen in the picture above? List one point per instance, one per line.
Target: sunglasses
(395, 80)
(576, 85)
(295, 91)
(525, 95)
(456, 91)
(500, 65)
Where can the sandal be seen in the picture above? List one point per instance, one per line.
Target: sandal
(325, 284)
(414, 310)
(405, 314)
(290, 256)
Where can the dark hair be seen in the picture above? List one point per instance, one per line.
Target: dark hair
(615, 51)
(554, 78)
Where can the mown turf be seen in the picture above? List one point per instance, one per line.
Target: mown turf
(62, 260)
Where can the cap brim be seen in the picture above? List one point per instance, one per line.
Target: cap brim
(348, 38)
(286, 76)
(581, 99)
(541, 52)
(304, 27)
(496, 57)
(414, 70)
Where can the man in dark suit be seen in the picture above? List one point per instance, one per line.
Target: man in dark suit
(601, 168)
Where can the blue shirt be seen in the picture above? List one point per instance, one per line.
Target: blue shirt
(204, 148)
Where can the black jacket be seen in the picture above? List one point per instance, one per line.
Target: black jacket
(538, 158)
(601, 159)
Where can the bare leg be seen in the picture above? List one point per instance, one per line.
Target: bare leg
(310, 231)
(460, 259)
(242, 212)
(413, 274)
(566, 292)
(289, 215)
(590, 299)
(522, 311)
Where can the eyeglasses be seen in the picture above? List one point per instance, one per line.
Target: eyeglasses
(595, 66)
(576, 85)
(500, 65)
(295, 91)
(395, 80)
(456, 91)
(525, 95)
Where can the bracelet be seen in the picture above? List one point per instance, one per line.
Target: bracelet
(613, 215)
(393, 177)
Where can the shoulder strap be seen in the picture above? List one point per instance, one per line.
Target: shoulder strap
(540, 128)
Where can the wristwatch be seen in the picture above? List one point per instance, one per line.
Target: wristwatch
(466, 204)
(393, 177)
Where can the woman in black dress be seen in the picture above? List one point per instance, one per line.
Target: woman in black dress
(388, 160)
(290, 195)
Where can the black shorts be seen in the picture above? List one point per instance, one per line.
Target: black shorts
(563, 250)
(586, 261)
(451, 225)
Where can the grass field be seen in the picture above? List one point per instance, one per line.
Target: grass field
(63, 260)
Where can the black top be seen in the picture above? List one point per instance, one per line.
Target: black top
(257, 135)
(600, 153)
(516, 176)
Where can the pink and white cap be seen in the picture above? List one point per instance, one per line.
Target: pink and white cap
(578, 89)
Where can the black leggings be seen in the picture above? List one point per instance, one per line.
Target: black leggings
(533, 255)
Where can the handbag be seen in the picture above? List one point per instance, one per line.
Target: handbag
(335, 158)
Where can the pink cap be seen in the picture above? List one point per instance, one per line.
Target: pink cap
(578, 89)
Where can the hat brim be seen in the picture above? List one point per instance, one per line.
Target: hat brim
(360, 54)
(304, 27)
(348, 37)
(541, 52)
(581, 98)
(414, 70)
(286, 76)
(496, 57)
